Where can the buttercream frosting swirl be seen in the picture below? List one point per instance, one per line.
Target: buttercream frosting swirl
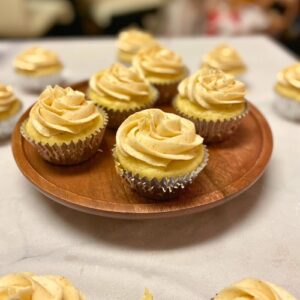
(133, 40)
(26, 286)
(290, 77)
(35, 59)
(253, 289)
(158, 61)
(223, 57)
(60, 110)
(211, 88)
(158, 138)
(7, 98)
(120, 83)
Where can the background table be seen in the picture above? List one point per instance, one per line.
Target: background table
(191, 257)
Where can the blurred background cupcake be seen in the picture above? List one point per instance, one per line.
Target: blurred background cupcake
(37, 67)
(163, 68)
(10, 109)
(121, 91)
(158, 154)
(287, 90)
(131, 41)
(214, 101)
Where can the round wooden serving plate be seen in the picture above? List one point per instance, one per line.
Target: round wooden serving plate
(95, 187)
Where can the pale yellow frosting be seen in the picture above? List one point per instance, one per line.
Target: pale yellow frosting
(147, 295)
(36, 59)
(7, 98)
(158, 138)
(60, 110)
(254, 289)
(133, 40)
(28, 286)
(212, 89)
(225, 58)
(158, 62)
(120, 83)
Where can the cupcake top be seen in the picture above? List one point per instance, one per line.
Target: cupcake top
(37, 60)
(158, 138)
(60, 110)
(288, 81)
(225, 58)
(159, 64)
(249, 289)
(24, 286)
(131, 41)
(7, 98)
(212, 89)
(120, 83)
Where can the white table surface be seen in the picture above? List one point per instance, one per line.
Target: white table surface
(191, 257)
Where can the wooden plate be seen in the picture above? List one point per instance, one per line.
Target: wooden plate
(94, 186)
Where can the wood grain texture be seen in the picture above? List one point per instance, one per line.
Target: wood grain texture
(95, 187)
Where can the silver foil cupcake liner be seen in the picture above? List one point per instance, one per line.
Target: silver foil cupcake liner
(68, 153)
(215, 131)
(288, 108)
(7, 126)
(159, 189)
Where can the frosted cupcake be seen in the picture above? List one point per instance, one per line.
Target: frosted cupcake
(288, 92)
(250, 289)
(120, 91)
(214, 101)
(64, 127)
(158, 154)
(10, 108)
(225, 58)
(163, 68)
(26, 286)
(131, 41)
(38, 67)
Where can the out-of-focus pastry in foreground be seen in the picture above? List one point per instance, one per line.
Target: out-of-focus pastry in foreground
(147, 295)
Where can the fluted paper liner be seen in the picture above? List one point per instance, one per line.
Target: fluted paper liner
(68, 153)
(215, 131)
(159, 189)
(116, 117)
(288, 108)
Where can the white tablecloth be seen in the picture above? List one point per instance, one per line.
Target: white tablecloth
(191, 257)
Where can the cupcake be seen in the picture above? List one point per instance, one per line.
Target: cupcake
(158, 154)
(131, 41)
(250, 289)
(10, 108)
(214, 101)
(163, 68)
(226, 59)
(287, 87)
(64, 127)
(38, 67)
(25, 286)
(120, 91)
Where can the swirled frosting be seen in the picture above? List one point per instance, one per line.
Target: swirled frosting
(36, 59)
(158, 61)
(120, 83)
(60, 110)
(158, 138)
(211, 88)
(26, 286)
(7, 98)
(290, 77)
(253, 289)
(133, 40)
(223, 57)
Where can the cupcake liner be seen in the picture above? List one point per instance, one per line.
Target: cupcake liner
(288, 108)
(167, 91)
(159, 189)
(38, 83)
(68, 153)
(215, 131)
(7, 126)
